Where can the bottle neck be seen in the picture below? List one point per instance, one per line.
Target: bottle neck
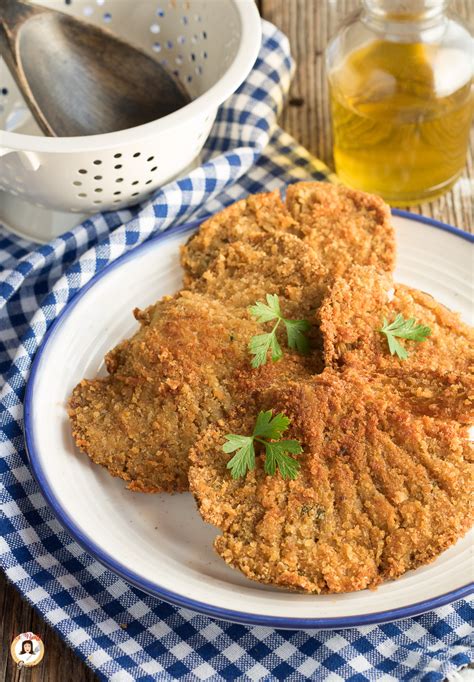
(403, 17)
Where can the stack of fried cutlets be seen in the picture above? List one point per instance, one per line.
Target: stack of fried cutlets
(385, 479)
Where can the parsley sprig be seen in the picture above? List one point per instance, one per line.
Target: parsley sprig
(267, 431)
(260, 344)
(403, 329)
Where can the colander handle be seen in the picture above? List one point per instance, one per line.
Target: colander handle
(29, 160)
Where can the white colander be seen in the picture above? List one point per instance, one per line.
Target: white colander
(210, 45)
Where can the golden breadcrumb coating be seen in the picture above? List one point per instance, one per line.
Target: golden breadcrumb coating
(381, 489)
(354, 310)
(243, 272)
(344, 226)
(180, 372)
(341, 225)
(256, 213)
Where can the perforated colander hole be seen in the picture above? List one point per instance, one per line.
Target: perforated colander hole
(98, 189)
(77, 183)
(97, 162)
(193, 57)
(150, 158)
(135, 194)
(82, 195)
(107, 17)
(194, 39)
(189, 79)
(198, 70)
(169, 44)
(154, 169)
(204, 35)
(118, 166)
(97, 202)
(117, 201)
(156, 47)
(204, 54)
(164, 62)
(160, 12)
(117, 156)
(155, 28)
(184, 19)
(82, 171)
(181, 40)
(88, 10)
(135, 182)
(116, 193)
(198, 17)
(100, 2)
(97, 177)
(119, 180)
(4, 91)
(136, 155)
(179, 59)
(148, 182)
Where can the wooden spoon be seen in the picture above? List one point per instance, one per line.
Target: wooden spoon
(78, 79)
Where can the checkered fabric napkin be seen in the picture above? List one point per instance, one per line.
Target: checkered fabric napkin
(119, 631)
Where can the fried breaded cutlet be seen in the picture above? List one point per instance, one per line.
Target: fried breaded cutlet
(256, 213)
(186, 366)
(244, 271)
(343, 227)
(381, 489)
(355, 308)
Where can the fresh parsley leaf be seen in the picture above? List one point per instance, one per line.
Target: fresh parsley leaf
(276, 451)
(265, 313)
(261, 343)
(295, 330)
(276, 456)
(244, 458)
(235, 442)
(268, 427)
(403, 329)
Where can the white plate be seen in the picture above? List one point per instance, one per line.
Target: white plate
(159, 542)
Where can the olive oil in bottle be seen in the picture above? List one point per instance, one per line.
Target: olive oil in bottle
(402, 100)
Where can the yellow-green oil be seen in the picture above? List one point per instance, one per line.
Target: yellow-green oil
(401, 117)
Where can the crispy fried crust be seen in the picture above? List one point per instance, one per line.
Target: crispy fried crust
(185, 368)
(380, 491)
(344, 226)
(341, 225)
(257, 213)
(245, 271)
(354, 310)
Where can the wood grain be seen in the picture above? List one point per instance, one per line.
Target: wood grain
(309, 24)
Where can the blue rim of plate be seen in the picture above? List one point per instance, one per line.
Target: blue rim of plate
(152, 588)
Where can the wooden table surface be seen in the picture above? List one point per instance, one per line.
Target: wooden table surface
(308, 23)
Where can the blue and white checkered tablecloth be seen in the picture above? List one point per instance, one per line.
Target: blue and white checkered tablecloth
(119, 631)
